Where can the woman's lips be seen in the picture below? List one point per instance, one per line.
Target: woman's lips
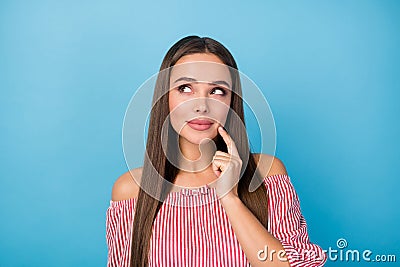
(200, 125)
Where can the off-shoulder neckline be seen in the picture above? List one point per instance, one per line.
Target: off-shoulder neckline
(196, 190)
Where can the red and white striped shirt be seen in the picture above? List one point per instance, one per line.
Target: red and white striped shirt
(192, 229)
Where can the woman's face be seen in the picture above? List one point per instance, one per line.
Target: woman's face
(199, 96)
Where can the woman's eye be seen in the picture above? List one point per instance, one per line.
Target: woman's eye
(219, 91)
(184, 88)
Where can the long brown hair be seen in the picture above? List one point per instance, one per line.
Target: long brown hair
(156, 163)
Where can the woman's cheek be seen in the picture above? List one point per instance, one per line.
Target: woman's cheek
(221, 111)
(177, 119)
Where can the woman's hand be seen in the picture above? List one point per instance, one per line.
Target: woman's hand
(227, 167)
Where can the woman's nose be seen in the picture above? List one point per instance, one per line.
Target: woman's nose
(201, 105)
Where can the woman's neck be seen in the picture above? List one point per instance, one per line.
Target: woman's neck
(194, 163)
(195, 158)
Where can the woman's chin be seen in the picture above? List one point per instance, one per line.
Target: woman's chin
(201, 140)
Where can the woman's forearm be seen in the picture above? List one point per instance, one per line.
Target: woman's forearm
(252, 235)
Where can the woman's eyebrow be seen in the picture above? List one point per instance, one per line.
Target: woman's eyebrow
(187, 79)
(222, 83)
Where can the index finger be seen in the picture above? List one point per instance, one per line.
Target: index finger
(229, 142)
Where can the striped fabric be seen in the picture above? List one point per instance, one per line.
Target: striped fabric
(192, 229)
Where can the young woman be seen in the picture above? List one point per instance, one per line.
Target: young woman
(219, 222)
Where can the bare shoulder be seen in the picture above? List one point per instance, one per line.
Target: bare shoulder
(269, 165)
(126, 186)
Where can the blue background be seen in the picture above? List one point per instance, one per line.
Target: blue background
(329, 70)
